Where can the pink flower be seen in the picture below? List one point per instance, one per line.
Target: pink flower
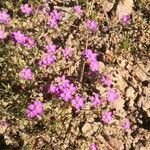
(52, 22)
(95, 99)
(50, 47)
(125, 19)
(4, 17)
(30, 42)
(78, 102)
(78, 10)
(2, 34)
(91, 24)
(112, 95)
(26, 74)
(26, 9)
(126, 124)
(106, 116)
(34, 109)
(106, 80)
(66, 52)
(93, 146)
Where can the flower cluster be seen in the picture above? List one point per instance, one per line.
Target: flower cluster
(2, 34)
(125, 19)
(66, 52)
(26, 74)
(55, 16)
(106, 80)
(50, 47)
(4, 17)
(126, 124)
(78, 10)
(111, 95)
(21, 38)
(91, 24)
(34, 109)
(93, 146)
(63, 88)
(92, 60)
(106, 116)
(95, 99)
(26, 8)
(78, 102)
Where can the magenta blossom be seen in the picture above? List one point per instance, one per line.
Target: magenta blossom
(29, 42)
(125, 19)
(95, 99)
(67, 52)
(47, 59)
(126, 124)
(34, 109)
(50, 47)
(78, 102)
(93, 146)
(106, 80)
(92, 60)
(26, 9)
(112, 95)
(4, 17)
(26, 74)
(2, 34)
(106, 116)
(78, 10)
(91, 24)
(18, 37)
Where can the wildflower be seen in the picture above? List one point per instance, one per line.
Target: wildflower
(26, 9)
(125, 19)
(106, 116)
(95, 99)
(52, 22)
(111, 95)
(50, 47)
(29, 42)
(66, 52)
(106, 80)
(93, 146)
(91, 24)
(92, 60)
(126, 124)
(26, 74)
(78, 10)
(34, 109)
(78, 102)
(18, 37)
(47, 59)
(4, 17)
(2, 34)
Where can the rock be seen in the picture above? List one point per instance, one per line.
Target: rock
(116, 144)
(130, 93)
(87, 129)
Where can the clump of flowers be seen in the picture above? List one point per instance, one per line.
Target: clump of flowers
(26, 8)
(47, 59)
(21, 38)
(111, 95)
(91, 24)
(78, 10)
(95, 99)
(106, 80)
(63, 88)
(66, 52)
(4, 17)
(34, 109)
(126, 124)
(51, 48)
(54, 18)
(93, 146)
(78, 102)
(106, 116)
(125, 19)
(2, 34)
(92, 60)
(26, 74)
